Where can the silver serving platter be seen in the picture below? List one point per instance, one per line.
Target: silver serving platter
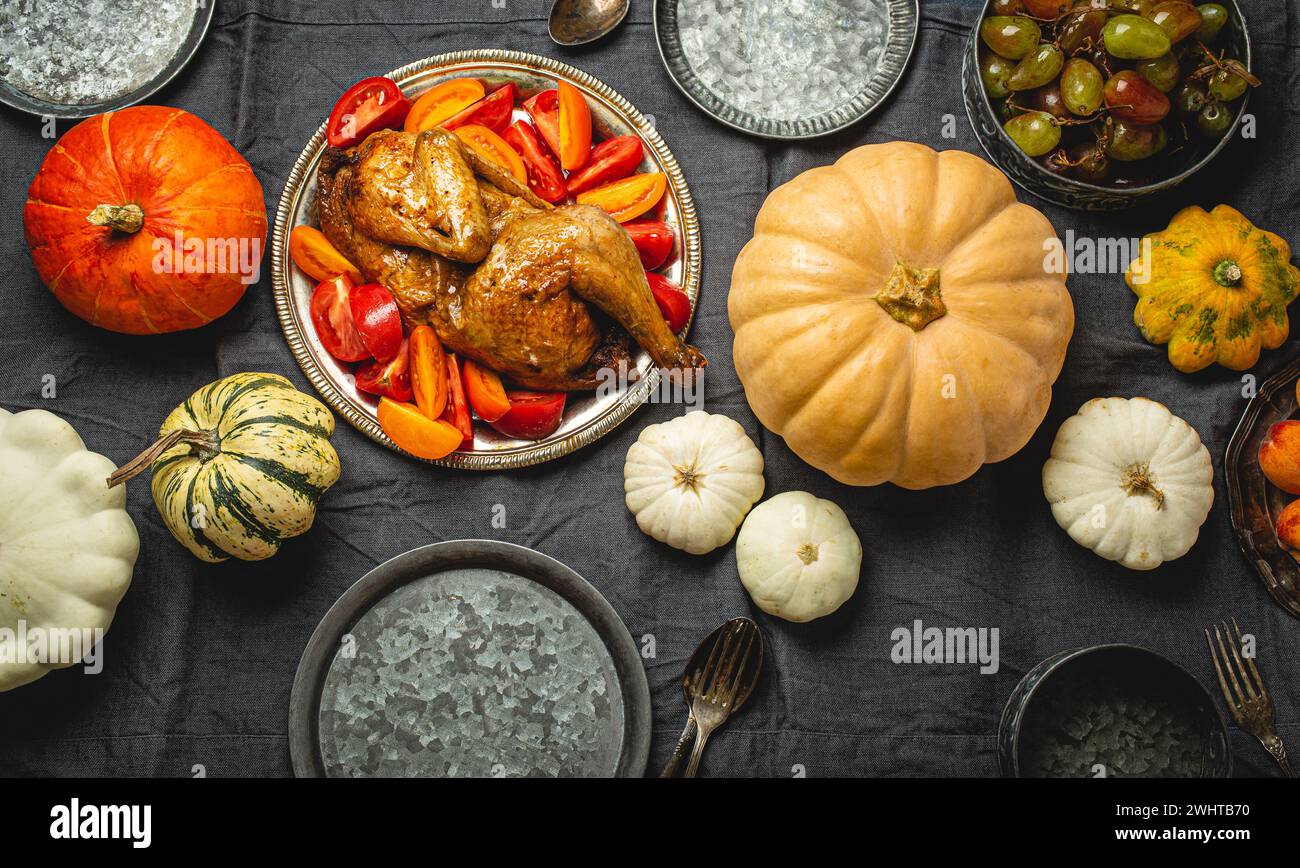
(588, 416)
(904, 21)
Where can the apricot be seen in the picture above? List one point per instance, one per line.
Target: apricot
(1288, 526)
(1279, 455)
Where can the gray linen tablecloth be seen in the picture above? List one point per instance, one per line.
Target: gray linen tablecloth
(199, 661)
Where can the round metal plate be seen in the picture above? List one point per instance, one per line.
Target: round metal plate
(900, 39)
(185, 50)
(419, 574)
(587, 416)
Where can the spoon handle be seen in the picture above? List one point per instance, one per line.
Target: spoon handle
(679, 752)
(694, 765)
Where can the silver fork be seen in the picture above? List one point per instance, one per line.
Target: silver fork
(725, 682)
(1252, 708)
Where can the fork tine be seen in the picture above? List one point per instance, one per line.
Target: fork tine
(1250, 662)
(702, 678)
(1227, 664)
(724, 649)
(1241, 667)
(1223, 684)
(727, 676)
(738, 677)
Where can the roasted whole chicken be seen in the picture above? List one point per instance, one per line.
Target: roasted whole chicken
(545, 296)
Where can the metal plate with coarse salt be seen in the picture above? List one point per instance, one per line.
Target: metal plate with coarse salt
(786, 69)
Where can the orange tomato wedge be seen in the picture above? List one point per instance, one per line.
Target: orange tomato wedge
(486, 394)
(629, 198)
(494, 148)
(575, 128)
(428, 364)
(443, 102)
(415, 432)
(311, 251)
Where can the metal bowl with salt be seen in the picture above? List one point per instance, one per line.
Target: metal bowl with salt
(786, 69)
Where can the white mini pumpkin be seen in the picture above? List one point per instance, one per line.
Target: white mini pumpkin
(67, 546)
(798, 556)
(691, 480)
(1129, 480)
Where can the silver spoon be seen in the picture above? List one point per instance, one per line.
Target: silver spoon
(577, 22)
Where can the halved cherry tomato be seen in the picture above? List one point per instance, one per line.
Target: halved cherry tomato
(428, 371)
(311, 251)
(416, 433)
(609, 161)
(457, 412)
(532, 415)
(371, 104)
(544, 175)
(544, 109)
(492, 111)
(575, 127)
(442, 103)
(486, 394)
(628, 198)
(331, 314)
(391, 378)
(490, 146)
(378, 320)
(653, 239)
(673, 303)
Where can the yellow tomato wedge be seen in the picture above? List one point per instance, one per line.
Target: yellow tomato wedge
(415, 432)
(492, 147)
(443, 102)
(485, 392)
(629, 198)
(311, 251)
(575, 127)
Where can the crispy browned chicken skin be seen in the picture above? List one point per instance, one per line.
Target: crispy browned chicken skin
(401, 207)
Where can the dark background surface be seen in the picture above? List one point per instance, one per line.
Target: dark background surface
(199, 661)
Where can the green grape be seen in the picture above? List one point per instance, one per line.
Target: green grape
(1012, 36)
(1214, 120)
(1033, 132)
(1129, 142)
(1177, 18)
(1131, 37)
(1226, 86)
(1189, 99)
(1081, 87)
(994, 72)
(1037, 68)
(1213, 17)
(1162, 72)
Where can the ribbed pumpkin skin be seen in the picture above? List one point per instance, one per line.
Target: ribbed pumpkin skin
(1203, 322)
(272, 463)
(855, 391)
(184, 176)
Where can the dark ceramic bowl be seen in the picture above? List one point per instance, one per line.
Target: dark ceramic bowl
(1027, 173)
(1152, 676)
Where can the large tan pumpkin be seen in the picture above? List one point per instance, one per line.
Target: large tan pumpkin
(899, 316)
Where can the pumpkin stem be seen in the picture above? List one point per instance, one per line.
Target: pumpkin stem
(122, 218)
(911, 296)
(1137, 480)
(687, 477)
(1227, 273)
(202, 443)
(807, 553)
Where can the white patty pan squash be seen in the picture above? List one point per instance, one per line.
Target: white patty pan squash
(1129, 480)
(691, 480)
(899, 316)
(798, 556)
(240, 466)
(67, 546)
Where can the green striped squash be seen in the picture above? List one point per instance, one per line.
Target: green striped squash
(251, 458)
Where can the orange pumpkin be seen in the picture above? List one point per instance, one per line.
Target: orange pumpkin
(145, 220)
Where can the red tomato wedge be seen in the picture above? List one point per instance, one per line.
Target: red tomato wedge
(442, 103)
(311, 251)
(492, 111)
(631, 197)
(331, 315)
(532, 415)
(544, 175)
(457, 412)
(673, 303)
(486, 394)
(371, 104)
(575, 127)
(391, 379)
(428, 371)
(377, 319)
(492, 147)
(611, 160)
(653, 239)
(416, 433)
(544, 109)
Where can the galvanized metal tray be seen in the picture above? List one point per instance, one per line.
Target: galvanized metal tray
(442, 705)
(736, 65)
(588, 416)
